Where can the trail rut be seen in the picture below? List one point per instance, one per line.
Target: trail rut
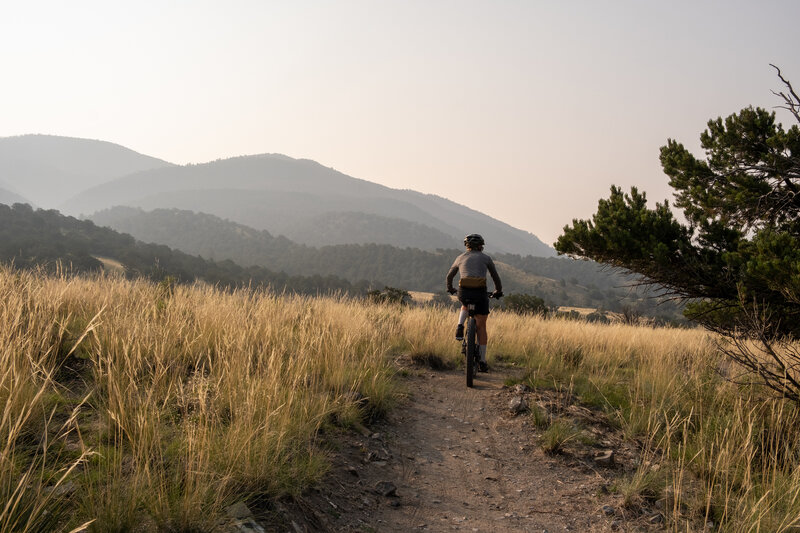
(460, 461)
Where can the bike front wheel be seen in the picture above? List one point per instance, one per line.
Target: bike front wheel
(472, 350)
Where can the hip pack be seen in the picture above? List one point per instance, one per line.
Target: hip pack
(470, 282)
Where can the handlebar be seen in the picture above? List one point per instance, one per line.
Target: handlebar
(489, 294)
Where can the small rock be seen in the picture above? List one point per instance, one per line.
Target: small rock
(352, 470)
(521, 388)
(251, 526)
(517, 405)
(238, 511)
(64, 489)
(608, 510)
(386, 488)
(380, 455)
(606, 458)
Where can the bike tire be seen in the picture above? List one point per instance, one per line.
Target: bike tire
(472, 349)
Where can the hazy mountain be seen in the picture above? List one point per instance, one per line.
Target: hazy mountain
(303, 199)
(9, 198)
(48, 169)
(559, 280)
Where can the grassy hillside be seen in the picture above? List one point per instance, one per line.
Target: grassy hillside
(125, 405)
(133, 408)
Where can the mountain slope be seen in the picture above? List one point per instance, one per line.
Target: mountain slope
(281, 194)
(48, 169)
(560, 281)
(9, 198)
(31, 237)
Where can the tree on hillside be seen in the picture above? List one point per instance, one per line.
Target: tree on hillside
(524, 304)
(391, 295)
(738, 259)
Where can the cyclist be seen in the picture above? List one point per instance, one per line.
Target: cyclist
(471, 267)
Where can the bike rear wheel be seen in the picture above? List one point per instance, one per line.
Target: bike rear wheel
(472, 349)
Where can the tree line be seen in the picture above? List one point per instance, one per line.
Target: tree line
(31, 237)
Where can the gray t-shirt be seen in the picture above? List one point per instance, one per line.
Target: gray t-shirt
(471, 267)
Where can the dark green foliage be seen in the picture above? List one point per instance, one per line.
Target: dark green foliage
(738, 258)
(390, 295)
(525, 304)
(31, 237)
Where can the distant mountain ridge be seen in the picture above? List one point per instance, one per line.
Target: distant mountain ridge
(10, 198)
(48, 169)
(281, 195)
(300, 198)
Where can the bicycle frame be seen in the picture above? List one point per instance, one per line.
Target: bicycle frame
(469, 346)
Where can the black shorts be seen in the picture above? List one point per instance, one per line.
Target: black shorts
(479, 297)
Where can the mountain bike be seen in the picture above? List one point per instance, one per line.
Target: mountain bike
(469, 345)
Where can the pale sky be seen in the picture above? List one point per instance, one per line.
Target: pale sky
(526, 110)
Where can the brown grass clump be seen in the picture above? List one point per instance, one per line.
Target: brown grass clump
(712, 452)
(125, 402)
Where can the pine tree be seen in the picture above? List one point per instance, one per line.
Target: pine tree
(736, 260)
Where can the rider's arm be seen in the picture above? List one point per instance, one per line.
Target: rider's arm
(498, 285)
(450, 275)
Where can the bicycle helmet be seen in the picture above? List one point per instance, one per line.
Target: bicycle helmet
(473, 240)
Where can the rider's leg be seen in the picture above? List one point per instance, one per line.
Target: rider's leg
(462, 316)
(483, 337)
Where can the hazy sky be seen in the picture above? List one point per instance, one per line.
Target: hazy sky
(525, 110)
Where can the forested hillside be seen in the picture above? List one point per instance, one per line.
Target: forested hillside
(31, 237)
(560, 281)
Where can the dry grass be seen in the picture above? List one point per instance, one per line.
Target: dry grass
(713, 451)
(129, 403)
(125, 401)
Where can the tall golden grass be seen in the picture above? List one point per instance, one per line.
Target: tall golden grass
(130, 405)
(713, 452)
(719, 456)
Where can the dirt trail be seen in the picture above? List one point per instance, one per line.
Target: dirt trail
(461, 461)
